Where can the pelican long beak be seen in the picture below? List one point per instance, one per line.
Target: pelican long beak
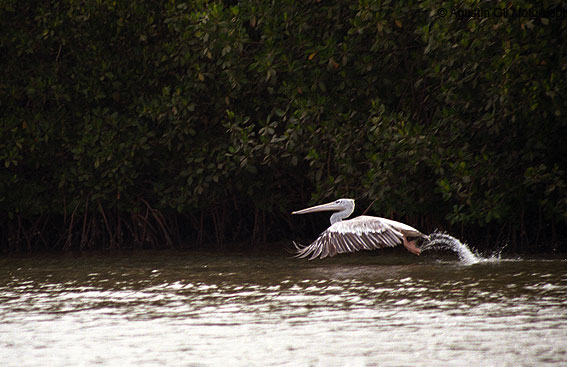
(320, 208)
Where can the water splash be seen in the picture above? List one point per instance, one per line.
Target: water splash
(444, 241)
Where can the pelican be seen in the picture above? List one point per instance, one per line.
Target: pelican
(360, 233)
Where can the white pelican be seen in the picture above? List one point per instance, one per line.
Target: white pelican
(360, 233)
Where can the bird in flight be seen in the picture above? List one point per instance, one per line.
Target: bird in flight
(360, 233)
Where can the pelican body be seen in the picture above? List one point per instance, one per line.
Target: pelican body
(360, 233)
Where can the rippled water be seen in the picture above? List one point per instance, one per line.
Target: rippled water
(367, 309)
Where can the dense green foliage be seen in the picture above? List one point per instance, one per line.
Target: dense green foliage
(147, 123)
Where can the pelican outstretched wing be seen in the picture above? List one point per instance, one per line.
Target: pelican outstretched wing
(360, 233)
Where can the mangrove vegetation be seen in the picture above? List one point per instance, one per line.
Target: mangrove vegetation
(203, 124)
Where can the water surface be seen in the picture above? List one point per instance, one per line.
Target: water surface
(196, 309)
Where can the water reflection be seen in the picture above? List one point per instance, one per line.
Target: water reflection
(198, 310)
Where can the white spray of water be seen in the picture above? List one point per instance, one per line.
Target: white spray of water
(444, 241)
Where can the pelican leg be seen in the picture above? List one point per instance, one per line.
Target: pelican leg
(410, 245)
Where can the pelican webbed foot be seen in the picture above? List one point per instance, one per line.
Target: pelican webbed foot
(410, 246)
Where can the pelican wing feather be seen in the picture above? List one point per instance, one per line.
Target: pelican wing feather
(360, 233)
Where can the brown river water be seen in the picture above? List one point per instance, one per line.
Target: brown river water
(380, 308)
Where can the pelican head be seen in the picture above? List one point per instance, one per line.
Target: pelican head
(345, 207)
